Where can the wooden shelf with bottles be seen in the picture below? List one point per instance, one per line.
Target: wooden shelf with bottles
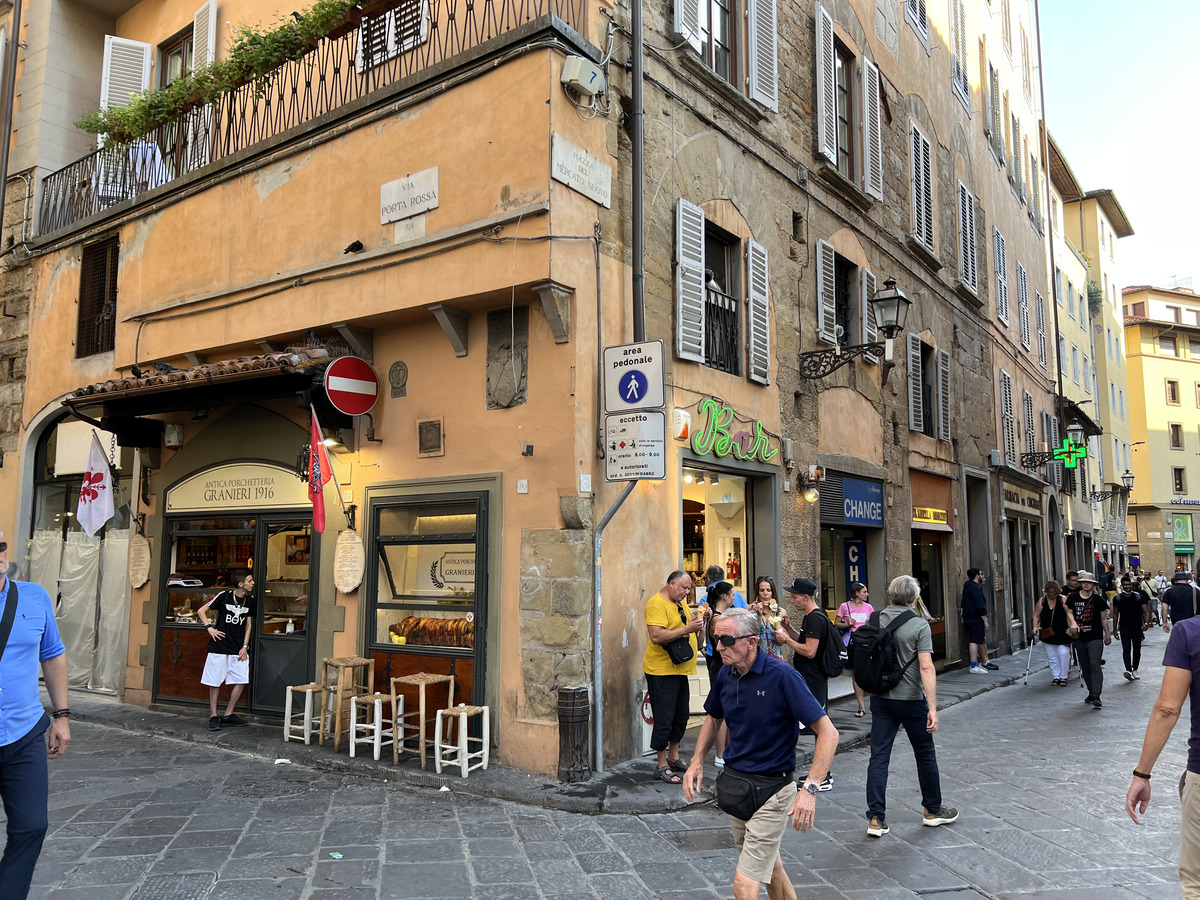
(213, 553)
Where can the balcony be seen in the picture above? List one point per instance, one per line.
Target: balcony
(722, 332)
(415, 41)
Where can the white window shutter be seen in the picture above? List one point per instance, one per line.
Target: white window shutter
(1006, 412)
(1055, 465)
(392, 33)
(922, 189)
(826, 86)
(966, 238)
(943, 373)
(1023, 303)
(687, 22)
(126, 70)
(826, 293)
(763, 51)
(916, 401)
(997, 137)
(758, 319)
(1043, 359)
(204, 35)
(1001, 263)
(1018, 179)
(1030, 437)
(689, 281)
(870, 332)
(872, 117)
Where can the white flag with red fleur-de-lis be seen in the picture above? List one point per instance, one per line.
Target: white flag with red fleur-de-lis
(96, 495)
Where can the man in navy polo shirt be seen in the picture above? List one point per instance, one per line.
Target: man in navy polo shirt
(24, 777)
(763, 700)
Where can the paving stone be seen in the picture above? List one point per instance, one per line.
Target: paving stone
(130, 846)
(498, 870)
(193, 886)
(423, 851)
(274, 844)
(259, 889)
(670, 876)
(556, 877)
(138, 826)
(200, 859)
(273, 867)
(123, 870)
(505, 847)
(425, 881)
(186, 839)
(627, 887)
(540, 850)
(92, 892)
(592, 863)
(343, 873)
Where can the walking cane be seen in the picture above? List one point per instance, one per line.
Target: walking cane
(1029, 658)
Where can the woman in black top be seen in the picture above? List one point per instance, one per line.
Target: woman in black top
(1132, 609)
(719, 599)
(1052, 622)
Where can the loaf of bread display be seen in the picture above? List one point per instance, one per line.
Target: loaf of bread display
(435, 632)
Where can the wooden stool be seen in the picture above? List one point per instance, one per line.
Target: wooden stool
(292, 728)
(375, 729)
(458, 754)
(420, 681)
(340, 689)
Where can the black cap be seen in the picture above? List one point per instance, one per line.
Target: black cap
(802, 586)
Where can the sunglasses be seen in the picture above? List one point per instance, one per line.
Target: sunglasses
(728, 640)
(3, 546)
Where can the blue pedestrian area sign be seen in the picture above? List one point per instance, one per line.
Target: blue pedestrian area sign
(633, 377)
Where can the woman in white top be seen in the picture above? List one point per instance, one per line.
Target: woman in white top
(852, 614)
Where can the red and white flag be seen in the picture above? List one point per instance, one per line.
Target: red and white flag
(318, 474)
(96, 495)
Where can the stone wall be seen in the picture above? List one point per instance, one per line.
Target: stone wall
(556, 602)
(16, 285)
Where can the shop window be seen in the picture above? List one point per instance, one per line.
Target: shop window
(96, 329)
(1175, 432)
(715, 527)
(928, 389)
(204, 554)
(849, 110)
(709, 292)
(720, 31)
(1179, 480)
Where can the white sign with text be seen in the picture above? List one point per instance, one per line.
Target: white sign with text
(408, 196)
(577, 168)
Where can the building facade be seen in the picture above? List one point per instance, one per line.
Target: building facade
(1162, 337)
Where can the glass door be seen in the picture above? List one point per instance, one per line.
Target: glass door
(285, 627)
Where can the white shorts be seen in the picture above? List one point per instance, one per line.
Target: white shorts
(225, 668)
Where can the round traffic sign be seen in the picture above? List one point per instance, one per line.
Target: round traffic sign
(351, 385)
(633, 386)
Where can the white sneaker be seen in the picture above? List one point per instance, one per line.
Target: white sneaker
(1136, 676)
(1128, 675)
(720, 762)
(978, 670)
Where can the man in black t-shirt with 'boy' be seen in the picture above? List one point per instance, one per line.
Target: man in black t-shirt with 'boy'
(228, 659)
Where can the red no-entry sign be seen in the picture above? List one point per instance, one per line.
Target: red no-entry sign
(351, 385)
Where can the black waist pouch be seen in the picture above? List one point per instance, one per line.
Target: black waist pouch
(742, 794)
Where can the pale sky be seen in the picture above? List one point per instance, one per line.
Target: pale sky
(1121, 101)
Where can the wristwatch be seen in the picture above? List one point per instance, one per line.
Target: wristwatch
(811, 787)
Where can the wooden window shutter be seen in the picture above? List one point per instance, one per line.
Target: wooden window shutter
(1017, 178)
(204, 35)
(1001, 263)
(126, 70)
(763, 51)
(916, 401)
(1006, 411)
(997, 137)
(966, 238)
(1043, 358)
(689, 281)
(872, 117)
(826, 86)
(922, 189)
(1023, 304)
(687, 22)
(870, 332)
(959, 74)
(1030, 437)
(943, 373)
(826, 293)
(1055, 466)
(758, 319)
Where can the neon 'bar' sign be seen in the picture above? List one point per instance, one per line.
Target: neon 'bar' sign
(718, 439)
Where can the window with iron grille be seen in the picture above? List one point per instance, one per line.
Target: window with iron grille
(97, 327)
(722, 334)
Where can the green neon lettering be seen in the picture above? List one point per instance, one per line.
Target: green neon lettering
(717, 439)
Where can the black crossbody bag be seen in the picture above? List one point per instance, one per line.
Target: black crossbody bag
(10, 613)
(742, 794)
(680, 650)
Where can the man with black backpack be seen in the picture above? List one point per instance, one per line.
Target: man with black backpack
(893, 661)
(817, 645)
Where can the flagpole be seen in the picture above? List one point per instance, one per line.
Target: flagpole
(332, 474)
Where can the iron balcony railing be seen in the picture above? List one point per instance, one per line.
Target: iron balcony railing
(722, 333)
(410, 38)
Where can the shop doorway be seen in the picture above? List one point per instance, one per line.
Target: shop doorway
(201, 558)
(927, 569)
(843, 561)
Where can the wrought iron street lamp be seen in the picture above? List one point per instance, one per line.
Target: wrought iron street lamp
(1126, 481)
(891, 312)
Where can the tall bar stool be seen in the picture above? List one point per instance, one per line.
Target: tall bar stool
(304, 727)
(458, 753)
(420, 681)
(372, 720)
(343, 677)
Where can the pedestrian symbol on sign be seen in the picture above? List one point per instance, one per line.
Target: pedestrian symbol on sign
(633, 385)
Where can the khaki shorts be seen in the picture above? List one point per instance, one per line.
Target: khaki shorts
(758, 840)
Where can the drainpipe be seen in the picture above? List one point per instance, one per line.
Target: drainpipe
(597, 621)
(637, 175)
(10, 89)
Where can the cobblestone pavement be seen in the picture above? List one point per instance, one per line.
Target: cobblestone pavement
(1039, 778)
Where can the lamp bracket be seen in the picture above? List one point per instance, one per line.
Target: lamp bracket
(818, 363)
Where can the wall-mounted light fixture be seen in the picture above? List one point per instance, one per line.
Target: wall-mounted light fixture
(891, 313)
(810, 483)
(1127, 486)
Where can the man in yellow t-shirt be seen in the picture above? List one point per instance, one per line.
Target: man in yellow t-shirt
(668, 617)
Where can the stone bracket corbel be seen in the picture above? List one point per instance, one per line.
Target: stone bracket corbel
(361, 340)
(556, 304)
(454, 322)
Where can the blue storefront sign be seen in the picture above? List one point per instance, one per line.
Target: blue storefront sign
(862, 502)
(856, 560)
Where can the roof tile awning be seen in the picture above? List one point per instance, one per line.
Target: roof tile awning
(169, 389)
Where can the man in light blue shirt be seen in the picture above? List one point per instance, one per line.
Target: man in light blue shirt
(24, 775)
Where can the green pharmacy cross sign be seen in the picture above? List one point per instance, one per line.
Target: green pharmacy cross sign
(1070, 453)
